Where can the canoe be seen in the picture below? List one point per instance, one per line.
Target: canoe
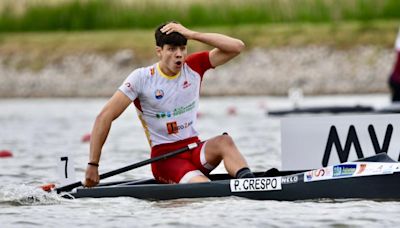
(376, 178)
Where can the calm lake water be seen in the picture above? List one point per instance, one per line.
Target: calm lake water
(36, 131)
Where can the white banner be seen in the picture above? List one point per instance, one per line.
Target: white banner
(315, 142)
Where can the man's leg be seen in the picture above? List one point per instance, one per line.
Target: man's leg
(223, 148)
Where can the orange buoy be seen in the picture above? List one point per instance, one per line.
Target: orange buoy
(262, 105)
(5, 154)
(86, 138)
(231, 111)
(200, 115)
(48, 187)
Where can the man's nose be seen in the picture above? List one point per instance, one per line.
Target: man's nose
(178, 53)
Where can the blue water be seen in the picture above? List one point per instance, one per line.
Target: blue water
(37, 130)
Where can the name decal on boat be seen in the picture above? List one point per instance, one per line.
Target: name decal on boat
(256, 184)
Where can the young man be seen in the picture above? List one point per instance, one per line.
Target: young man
(394, 79)
(166, 96)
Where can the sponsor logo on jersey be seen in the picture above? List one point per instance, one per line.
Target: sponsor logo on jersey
(173, 127)
(152, 70)
(159, 94)
(186, 84)
(161, 115)
(177, 111)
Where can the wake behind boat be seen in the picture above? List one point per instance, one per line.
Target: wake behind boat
(376, 177)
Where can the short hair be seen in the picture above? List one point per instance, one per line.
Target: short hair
(174, 38)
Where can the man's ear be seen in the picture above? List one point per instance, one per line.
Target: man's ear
(158, 51)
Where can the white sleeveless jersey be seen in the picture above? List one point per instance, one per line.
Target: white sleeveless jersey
(167, 106)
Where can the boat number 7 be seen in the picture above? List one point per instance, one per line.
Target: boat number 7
(66, 165)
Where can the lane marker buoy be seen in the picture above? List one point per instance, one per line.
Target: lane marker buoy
(232, 111)
(48, 187)
(86, 138)
(5, 154)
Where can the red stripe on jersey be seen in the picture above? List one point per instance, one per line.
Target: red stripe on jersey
(199, 62)
(136, 102)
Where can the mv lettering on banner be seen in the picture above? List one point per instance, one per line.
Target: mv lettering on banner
(314, 142)
(352, 140)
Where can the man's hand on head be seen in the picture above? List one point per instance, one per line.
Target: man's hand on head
(176, 27)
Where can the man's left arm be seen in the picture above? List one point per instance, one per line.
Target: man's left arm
(225, 47)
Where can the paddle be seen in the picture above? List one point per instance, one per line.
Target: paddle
(69, 187)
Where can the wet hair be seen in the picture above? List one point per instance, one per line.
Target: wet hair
(175, 38)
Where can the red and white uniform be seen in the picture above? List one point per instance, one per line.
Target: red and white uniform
(167, 107)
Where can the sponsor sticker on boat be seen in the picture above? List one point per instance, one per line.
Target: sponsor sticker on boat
(292, 179)
(355, 169)
(344, 170)
(256, 184)
(372, 168)
(318, 174)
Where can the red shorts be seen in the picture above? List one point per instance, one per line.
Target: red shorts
(182, 167)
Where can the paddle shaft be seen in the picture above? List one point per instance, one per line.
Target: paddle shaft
(69, 187)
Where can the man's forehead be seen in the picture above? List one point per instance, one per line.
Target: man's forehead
(172, 45)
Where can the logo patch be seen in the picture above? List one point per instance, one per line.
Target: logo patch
(159, 94)
(177, 111)
(173, 127)
(186, 84)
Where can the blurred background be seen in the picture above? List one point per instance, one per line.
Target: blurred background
(86, 48)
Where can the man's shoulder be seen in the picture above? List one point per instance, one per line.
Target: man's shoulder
(144, 71)
(199, 62)
(198, 56)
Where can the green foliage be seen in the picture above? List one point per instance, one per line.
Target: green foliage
(119, 14)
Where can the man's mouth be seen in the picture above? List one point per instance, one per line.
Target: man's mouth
(178, 63)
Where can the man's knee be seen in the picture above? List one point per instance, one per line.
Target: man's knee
(224, 141)
(217, 147)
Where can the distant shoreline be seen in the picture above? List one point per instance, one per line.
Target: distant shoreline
(317, 70)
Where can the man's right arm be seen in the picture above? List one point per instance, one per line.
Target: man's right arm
(112, 110)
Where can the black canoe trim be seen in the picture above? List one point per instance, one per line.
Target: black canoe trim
(374, 187)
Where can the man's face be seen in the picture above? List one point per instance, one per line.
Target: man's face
(172, 58)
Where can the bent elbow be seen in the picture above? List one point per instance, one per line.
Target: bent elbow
(103, 117)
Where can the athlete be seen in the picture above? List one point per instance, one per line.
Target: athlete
(394, 79)
(166, 97)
